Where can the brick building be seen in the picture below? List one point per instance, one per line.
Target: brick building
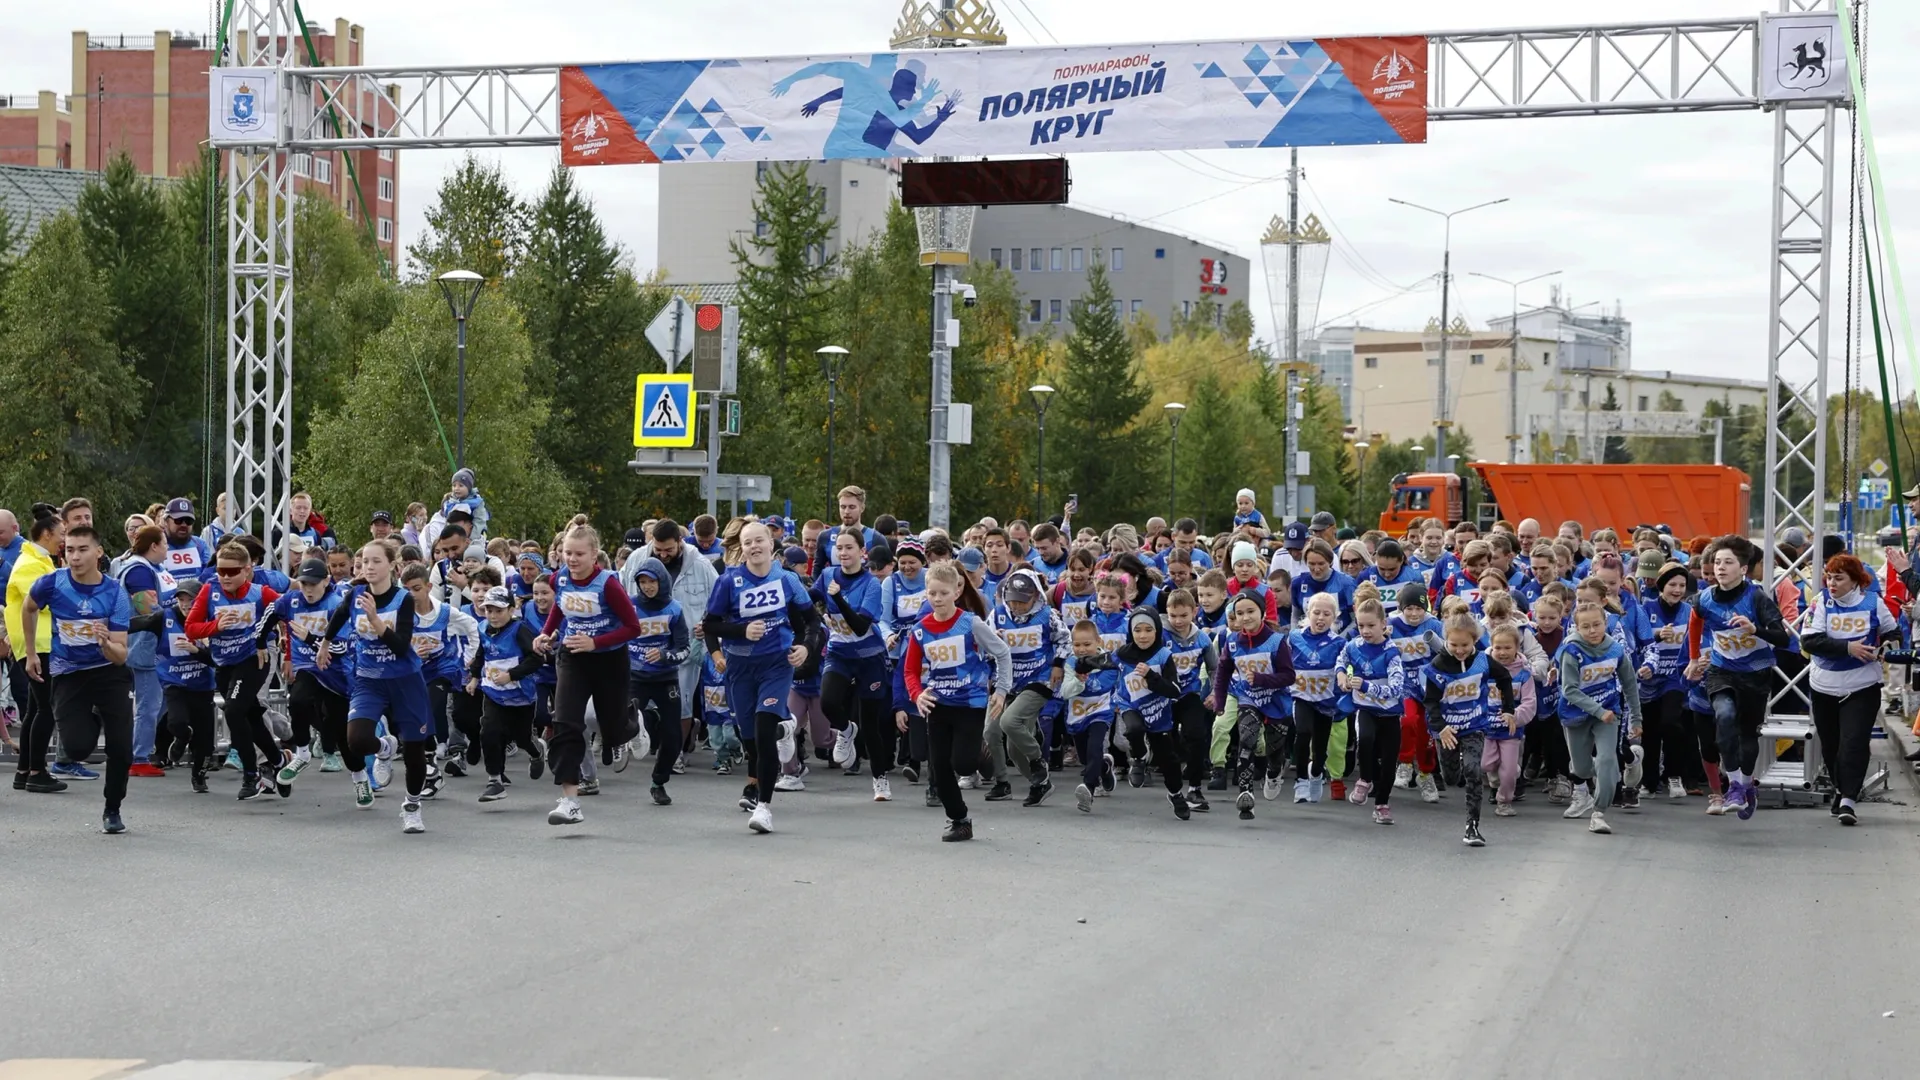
(146, 95)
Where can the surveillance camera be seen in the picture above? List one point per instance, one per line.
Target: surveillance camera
(969, 296)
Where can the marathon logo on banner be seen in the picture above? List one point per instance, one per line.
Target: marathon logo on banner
(973, 102)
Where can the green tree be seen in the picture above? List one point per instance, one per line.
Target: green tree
(145, 260)
(1648, 450)
(992, 369)
(71, 402)
(1214, 438)
(786, 276)
(385, 439)
(587, 318)
(1613, 449)
(476, 223)
(1322, 435)
(12, 235)
(1104, 451)
(341, 300)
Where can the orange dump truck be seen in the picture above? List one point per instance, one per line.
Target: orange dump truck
(1694, 500)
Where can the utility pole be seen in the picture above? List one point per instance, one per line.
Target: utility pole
(1513, 360)
(1440, 421)
(1293, 334)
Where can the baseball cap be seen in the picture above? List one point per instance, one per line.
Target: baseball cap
(1019, 587)
(1296, 535)
(312, 572)
(380, 516)
(1323, 520)
(795, 556)
(180, 509)
(971, 559)
(636, 538)
(498, 597)
(186, 586)
(1650, 564)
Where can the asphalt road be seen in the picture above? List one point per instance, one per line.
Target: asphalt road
(671, 942)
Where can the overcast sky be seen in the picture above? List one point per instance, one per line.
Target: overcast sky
(1665, 215)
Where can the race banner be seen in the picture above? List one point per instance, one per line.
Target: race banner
(998, 102)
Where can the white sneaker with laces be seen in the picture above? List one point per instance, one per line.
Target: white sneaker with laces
(1636, 768)
(882, 789)
(1581, 806)
(1429, 792)
(1271, 789)
(789, 783)
(410, 819)
(968, 783)
(1403, 776)
(761, 820)
(565, 812)
(1598, 823)
(785, 745)
(1676, 788)
(844, 745)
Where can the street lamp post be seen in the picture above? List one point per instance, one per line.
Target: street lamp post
(1359, 478)
(462, 289)
(1513, 359)
(830, 360)
(1173, 410)
(1446, 278)
(1041, 393)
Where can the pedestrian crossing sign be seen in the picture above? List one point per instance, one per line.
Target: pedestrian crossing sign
(663, 410)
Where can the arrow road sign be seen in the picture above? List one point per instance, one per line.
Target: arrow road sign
(663, 410)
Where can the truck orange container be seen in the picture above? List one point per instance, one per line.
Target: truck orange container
(1693, 500)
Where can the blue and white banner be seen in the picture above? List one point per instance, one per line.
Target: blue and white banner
(998, 102)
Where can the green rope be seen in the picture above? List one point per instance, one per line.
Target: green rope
(1876, 188)
(353, 173)
(1886, 398)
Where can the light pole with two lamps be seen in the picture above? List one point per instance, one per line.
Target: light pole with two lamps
(1173, 409)
(1513, 359)
(462, 289)
(830, 363)
(1041, 393)
(1446, 280)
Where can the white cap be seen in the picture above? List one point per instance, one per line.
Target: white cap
(1244, 493)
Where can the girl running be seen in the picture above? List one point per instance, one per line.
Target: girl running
(386, 679)
(1845, 627)
(1741, 626)
(1460, 708)
(1149, 688)
(228, 614)
(958, 674)
(1373, 674)
(1501, 759)
(1315, 650)
(587, 631)
(502, 673)
(853, 682)
(187, 680)
(654, 656)
(1256, 668)
(317, 700)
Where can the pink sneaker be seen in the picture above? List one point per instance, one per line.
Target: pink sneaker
(1361, 789)
(1382, 815)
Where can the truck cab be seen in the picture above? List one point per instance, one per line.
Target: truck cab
(1422, 495)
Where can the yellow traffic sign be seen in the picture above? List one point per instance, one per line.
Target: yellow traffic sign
(663, 410)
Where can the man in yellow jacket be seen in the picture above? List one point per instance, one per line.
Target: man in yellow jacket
(36, 708)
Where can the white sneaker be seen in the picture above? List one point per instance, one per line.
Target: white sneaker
(642, 743)
(389, 746)
(1598, 823)
(882, 789)
(968, 783)
(785, 745)
(1403, 776)
(1676, 788)
(410, 819)
(1636, 768)
(844, 745)
(761, 820)
(382, 773)
(1271, 789)
(789, 783)
(565, 812)
(1429, 792)
(1581, 806)
(1302, 791)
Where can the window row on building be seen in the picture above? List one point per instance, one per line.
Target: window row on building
(1072, 260)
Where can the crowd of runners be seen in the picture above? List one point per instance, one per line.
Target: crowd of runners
(1584, 671)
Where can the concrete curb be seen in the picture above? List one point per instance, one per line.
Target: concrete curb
(1902, 741)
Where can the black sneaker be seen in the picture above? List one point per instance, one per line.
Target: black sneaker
(19, 781)
(1629, 798)
(660, 796)
(957, 830)
(473, 754)
(495, 791)
(44, 784)
(1197, 802)
(1472, 837)
(249, 787)
(111, 824)
(911, 772)
(1107, 780)
(1848, 816)
(199, 780)
(1180, 808)
(1038, 793)
(1137, 773)
(1001, 792)
(456, 767)
(1217, 781)
(1833, 805)
(933, 796)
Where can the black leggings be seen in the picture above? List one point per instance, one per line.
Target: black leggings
(657, 703)
(1313, 726)
(1195, 725)
(503, 724)
(190, 720)
(597, 676)
(879, 734)
(1379, 751)
(1845, 726)
(1664, 730)
(953, 751)
(241, 684)
(1739, 708)
(362, 743)
(841, 699)
(310, 706)
(36, 716)
(1090, 746)
(444, 698)
(86, 703)
(1163, 745)
(763, 755)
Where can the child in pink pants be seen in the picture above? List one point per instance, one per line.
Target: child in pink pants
(1502, 755)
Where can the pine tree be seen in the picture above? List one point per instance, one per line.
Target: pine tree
(586, 318)
(786, 277)
(1613, 451)
(1104, 452)
(71, 402)
(1215, 438)
(476, 223)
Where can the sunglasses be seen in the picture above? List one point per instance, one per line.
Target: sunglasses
(1353, 562)
(230, 571)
